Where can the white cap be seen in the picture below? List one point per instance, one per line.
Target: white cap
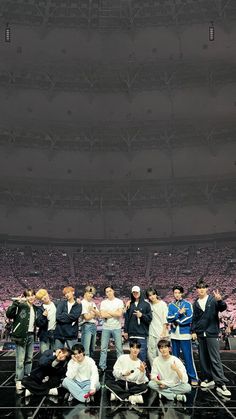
(135, 289)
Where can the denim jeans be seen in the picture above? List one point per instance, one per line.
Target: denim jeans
(106, 334)
(49, 343)
(59, 343)
(78, 388)
(88, 338)
(24, 357)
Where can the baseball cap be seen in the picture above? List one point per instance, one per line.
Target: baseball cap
(135, 289)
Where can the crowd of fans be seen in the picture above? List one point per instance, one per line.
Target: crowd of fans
(55, 267)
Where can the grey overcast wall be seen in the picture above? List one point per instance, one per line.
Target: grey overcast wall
(117, 122)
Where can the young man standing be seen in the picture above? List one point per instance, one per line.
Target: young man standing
(111, 311)
(205, 328)
(137, 320)
(168, 375)
(130, 377)
(82, 379)
(159, 326)
(180, 314)
(88, 326)
(23, 312)
(46, 321)
(67, 317)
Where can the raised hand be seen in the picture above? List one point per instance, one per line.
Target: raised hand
(217, 295)
(137, 313)
(182, 310)
(142, 366)
(174, 366)
(127, 306)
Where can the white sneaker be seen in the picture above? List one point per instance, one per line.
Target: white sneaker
(113, 397)
(223, 390)
(207, 383)
(53, 391)
(27, 393)
(135, 399)
(181, 398)
(19, 387)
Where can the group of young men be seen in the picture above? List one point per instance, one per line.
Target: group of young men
(153, 330)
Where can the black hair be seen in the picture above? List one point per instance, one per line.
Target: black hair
(151, 291)
(135, 342)
(108, 286)
(65, 351)
(163, 342)
(78, 347)
(201, 284)
(178, 287)
(28, 292)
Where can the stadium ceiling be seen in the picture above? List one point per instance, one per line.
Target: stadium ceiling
(123, 195)
(127, 78)
(116, 14)
(125, 137)
(130, 78)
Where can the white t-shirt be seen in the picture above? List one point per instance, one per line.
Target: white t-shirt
(69, 306)
(123, 364)
(31, 319)
(159, 314)
(202, 302)
(82, 371)
(112, 305)
(51, 309)
(162, 368)
(86, 307)
(180, 336)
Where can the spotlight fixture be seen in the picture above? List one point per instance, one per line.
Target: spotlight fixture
(7, 33)
(211, 32)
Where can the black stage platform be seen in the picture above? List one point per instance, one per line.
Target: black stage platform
(200, 404)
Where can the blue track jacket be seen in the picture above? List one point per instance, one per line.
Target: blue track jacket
(183, 320)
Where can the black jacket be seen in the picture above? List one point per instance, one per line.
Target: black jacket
(207, 321)
(45, 367)
(67, 323)
(132, 325)
(42, 324)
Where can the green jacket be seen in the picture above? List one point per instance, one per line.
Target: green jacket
(20, 313)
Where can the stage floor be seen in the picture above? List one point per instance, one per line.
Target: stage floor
(200, 404)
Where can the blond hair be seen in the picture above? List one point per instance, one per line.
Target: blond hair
(90, 288)
(41, 293)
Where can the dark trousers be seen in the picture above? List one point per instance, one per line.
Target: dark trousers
(210, 362)
(123, 389)
(38, 387)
